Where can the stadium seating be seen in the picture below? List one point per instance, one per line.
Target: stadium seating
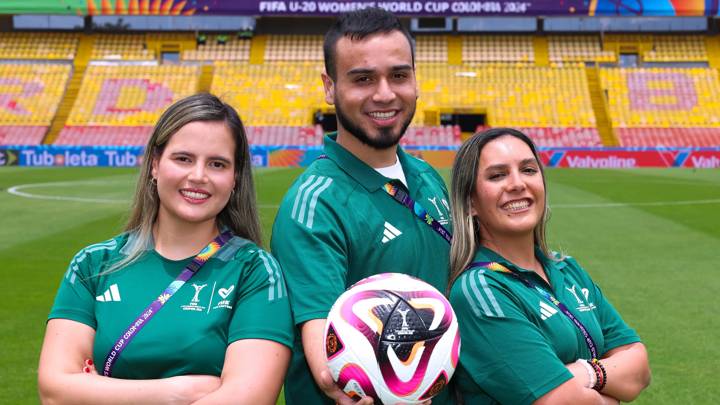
(124, 97)
(567, 137)
(669, 137)
(228, 48)
(431, 49)
(446, 135)
(284, 135)
(662, 97)
(35, 45)
(676, 48)
(126, 47)
(123, 91)
(520, 96)
(22, 134)
(29, 97)
(294, 48)
(662, 103)
(498, 48)
(271, 94)
(578, 48)
(104, 135)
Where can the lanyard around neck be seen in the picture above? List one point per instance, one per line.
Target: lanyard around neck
(147, 314)
(399, 195)
(495, 266)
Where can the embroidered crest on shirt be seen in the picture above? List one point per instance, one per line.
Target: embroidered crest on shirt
(583, 302)
(224, 293)
(194, 304)
(441, 214)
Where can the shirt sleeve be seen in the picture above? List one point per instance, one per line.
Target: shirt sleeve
(262, 308)
(310, 243)
(75, 299)
(615, 331)
(503, 352)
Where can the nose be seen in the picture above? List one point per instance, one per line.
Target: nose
(515, 181)
(198, 173)
(384, 93)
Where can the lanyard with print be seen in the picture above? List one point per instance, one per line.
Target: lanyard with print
(404, 198)
(156, 305)
(495, 266)
(399, 195)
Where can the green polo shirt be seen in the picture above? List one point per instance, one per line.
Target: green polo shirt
(515, 343)
(337, 225)
(238, 294)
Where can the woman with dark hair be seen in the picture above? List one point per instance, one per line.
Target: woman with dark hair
(535, 327)
(184, 306)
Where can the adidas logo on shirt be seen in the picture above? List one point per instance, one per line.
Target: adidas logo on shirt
(110, 295)
(546, 311)
(390, 232)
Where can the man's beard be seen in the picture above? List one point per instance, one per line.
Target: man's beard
(386, 138)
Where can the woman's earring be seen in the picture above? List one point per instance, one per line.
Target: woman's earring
(153, 181)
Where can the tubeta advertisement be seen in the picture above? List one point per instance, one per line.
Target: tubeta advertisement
(590, 158)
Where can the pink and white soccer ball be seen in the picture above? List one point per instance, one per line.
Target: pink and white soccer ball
(392, 337)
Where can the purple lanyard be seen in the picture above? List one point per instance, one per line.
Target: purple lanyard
(156, 305)
(495, 266)
(399, 195)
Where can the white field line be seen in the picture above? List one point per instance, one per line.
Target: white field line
(16, 190)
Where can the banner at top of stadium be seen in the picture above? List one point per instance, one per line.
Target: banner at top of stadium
(416, 8)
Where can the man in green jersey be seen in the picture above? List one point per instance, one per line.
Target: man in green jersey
(337, 224)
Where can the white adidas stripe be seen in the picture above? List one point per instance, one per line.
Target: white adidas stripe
(110, 295)
(390, 232)
(546, 311)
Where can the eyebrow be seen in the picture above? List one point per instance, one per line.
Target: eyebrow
(358, 71)
(220, 158)
(522, 163)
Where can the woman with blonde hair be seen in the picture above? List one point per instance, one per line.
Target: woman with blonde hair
(535, 327)
(184, 306)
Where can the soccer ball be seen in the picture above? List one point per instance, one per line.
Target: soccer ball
(392, 337)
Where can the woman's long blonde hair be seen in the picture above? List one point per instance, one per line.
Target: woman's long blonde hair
(239, 215)
(466, 227)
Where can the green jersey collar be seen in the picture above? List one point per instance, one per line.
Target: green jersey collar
(359, 170)
(551, 266)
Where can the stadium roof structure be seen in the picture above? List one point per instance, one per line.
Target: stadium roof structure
(417, 8)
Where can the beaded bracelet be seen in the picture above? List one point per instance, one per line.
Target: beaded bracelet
(600, 373)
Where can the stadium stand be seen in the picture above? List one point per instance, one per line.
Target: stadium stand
(538, 84)
(498, 48)
(126, 98)
(294, 48)
(675, 48)
(578, 48)
(444, 135)
(431, 48)
(272, 94)
(126, 47)
(35, 45)
(219, 47)
(285, 135)
(664, 106)
(29, 97)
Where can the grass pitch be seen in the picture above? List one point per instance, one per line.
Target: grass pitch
(650, 238)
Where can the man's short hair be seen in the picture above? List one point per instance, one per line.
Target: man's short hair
(357, 25)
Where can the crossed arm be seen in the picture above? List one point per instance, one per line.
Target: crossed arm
(68, 343)
(628, 373)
